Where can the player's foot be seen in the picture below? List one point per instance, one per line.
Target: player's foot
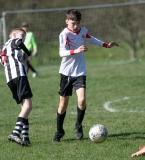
(79, 132)
(141, 152)
(35, 74)
(16, 139)
(26, 140)
(58, 136)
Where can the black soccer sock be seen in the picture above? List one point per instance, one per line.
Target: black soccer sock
(25, 130)
(60, 120)
(19, 126)
(80, 116)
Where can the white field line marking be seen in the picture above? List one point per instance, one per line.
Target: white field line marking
(107, 104)
(121, 62)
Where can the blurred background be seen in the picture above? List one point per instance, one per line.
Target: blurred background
(122, 21)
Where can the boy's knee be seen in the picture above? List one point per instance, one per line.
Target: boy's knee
(82, 103)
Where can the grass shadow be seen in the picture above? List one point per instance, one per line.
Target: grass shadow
(128, 135)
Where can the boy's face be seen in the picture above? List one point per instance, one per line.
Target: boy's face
(73, 25)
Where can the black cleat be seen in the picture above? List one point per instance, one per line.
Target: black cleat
(79, 132)
(16, 139)
(26, 140)
(58, 136)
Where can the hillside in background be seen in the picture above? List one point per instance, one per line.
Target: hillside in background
(122, 23)
(37, 4)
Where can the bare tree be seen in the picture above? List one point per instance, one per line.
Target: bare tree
(129, 25)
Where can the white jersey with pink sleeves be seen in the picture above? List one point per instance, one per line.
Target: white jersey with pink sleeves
(74, 64)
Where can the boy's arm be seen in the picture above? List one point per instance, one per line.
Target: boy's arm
(63, 52)
(98, 42)
(20, 44)
(95, 41)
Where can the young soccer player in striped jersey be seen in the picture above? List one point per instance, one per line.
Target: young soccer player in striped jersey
(73, 70)
(17, 81)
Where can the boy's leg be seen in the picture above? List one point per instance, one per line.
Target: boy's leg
(81, 94)
(19, 126)
(25, 132)
(20, 88)
(26, 106)
(60, 120)
(15, 135)
(61, 113)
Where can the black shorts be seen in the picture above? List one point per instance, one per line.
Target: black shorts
(67, 83)
(20, 88)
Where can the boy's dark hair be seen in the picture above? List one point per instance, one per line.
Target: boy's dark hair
(73, 14)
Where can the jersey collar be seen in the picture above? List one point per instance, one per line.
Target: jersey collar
(74, 32)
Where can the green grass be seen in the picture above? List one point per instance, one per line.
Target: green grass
(108, 82)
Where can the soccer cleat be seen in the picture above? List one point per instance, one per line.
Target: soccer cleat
(58, 136)
(26, 140)
(141, 152)
(16, 139)
(79, 132)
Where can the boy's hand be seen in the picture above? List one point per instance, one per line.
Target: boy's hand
(112, 44)
(81, 49)
(28, 58)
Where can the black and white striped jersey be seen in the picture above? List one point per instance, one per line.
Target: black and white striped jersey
(11, 58)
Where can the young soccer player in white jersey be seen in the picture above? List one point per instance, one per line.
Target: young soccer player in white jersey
(17, 81)
(73, 70)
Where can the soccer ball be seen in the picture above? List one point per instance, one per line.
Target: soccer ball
(98, 133)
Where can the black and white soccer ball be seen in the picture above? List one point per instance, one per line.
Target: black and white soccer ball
(98, 133)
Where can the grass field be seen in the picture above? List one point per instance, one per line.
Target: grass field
(115, 98)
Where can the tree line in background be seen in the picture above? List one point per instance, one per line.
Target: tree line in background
(37, 4)
(120, 23)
